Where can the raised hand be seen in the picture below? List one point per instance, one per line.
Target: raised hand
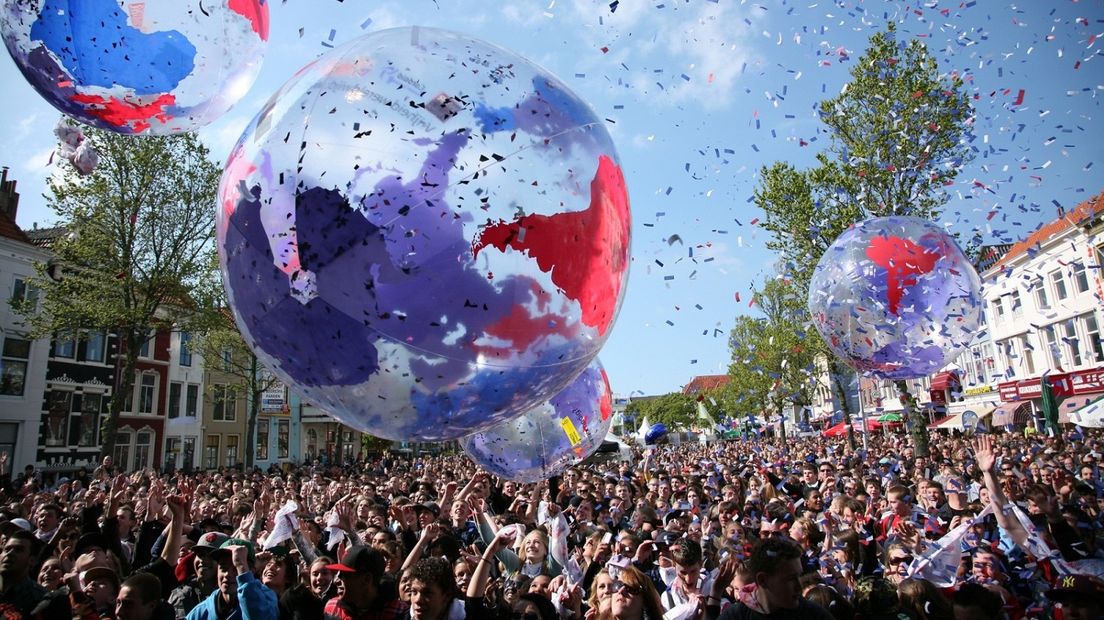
(344, 511)
(179, 506)
(431, 532)
(983, 452)
(725, 574)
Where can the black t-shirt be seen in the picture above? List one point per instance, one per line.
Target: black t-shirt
(805, 611)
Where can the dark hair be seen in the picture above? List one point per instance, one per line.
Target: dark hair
(545, 608)
(923, 600)
(146, 585)
(977, 595)
(686, 552)
(770, 553)
(831, 600)
(436, 571)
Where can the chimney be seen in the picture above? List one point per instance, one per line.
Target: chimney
(1061, 210)
(9, 198)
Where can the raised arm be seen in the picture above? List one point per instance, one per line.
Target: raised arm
(479, 579)
(986, 460)
(178, 507)
(429, 534)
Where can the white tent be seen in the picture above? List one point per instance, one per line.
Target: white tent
(1089, 416)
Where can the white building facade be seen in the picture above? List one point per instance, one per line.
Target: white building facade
(184, 403)
(1044, 301)
(22, 359)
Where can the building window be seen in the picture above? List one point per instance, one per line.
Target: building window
(312, 443)
(231, 450)
(144, 349)
(211, 452)
(24, 293)
(65, 346)
(227, 357)
(13, 366)
(122, 450)
(1092, 333)
(1041, 298)
(91, 406)
(1028, 355)
(191, 405)
(94, 345)
(57, 417)
(147, 388)
(189, 452)
(1080, 277)
(185, 349)
(174, 399)
(224, 403)
(262, 439)
(1059, 282)
(1017, 304)
(998, 310)
(142, 449)
(1050, 341)
(1072, 343)
(172, 452)
(282, 429)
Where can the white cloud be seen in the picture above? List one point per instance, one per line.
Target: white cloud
(710, 42)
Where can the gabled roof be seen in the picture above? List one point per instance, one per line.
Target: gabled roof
(702, 383)
(10, 230)
(1084, 211)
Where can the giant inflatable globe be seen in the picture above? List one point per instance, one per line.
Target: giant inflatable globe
(425, 235)
(895, 297)
(138, 66)
(549, 438)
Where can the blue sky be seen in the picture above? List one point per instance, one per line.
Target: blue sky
(700, 94)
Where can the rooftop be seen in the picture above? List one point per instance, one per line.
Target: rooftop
(1034, 242)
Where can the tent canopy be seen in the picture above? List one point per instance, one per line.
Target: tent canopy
(1016, 412)
(1087, 411)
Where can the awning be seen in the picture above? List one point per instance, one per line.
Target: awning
(1087, 411)
(950, 422)
(1018, 412)
(836, 431)
(945, 381)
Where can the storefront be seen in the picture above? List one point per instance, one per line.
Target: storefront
(1074, 390)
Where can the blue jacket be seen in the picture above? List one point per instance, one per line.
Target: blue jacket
(255, 602)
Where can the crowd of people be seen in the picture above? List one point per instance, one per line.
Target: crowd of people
(993, 526)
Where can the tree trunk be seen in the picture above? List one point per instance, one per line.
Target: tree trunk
(339, 449)
(918, 426)
(254, 407)
(127, 354)
(836, 371)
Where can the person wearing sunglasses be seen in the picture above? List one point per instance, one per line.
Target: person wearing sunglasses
(898, 557)
(633, 597)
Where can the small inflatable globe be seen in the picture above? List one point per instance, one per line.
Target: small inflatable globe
(425, 235)
(548, 439)
(656, 433)
(895, 297)
(138, 66)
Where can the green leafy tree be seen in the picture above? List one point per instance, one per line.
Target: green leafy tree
(900, 134)
(676, 411)
(136, 233)
(772, 364)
